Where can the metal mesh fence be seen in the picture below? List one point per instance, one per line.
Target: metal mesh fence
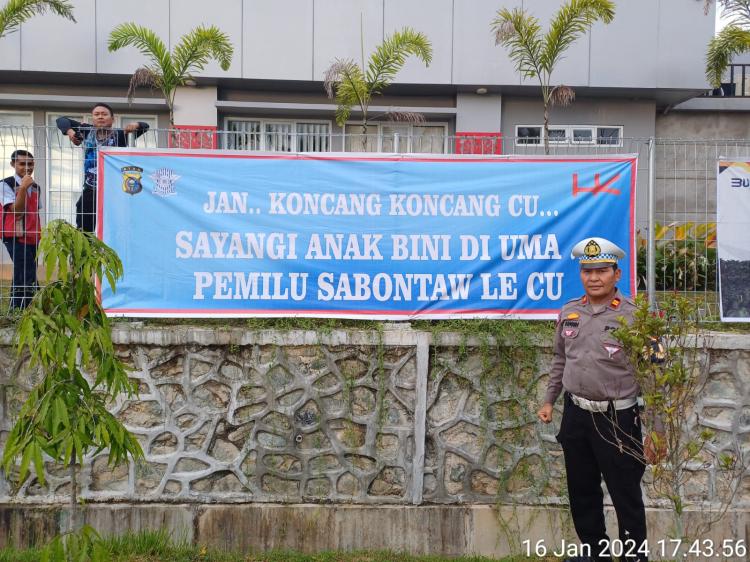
(683, 181)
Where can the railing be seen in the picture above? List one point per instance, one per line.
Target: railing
(737, 84)
(682, 183)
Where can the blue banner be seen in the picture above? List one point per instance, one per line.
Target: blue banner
(219, 233)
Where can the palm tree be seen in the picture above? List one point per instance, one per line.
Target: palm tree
(15, 12)
(536, 56)
(733, 40)
(166, 70)
(353, 85)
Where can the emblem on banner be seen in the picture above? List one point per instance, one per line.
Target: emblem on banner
(164, 180)
(131, 179)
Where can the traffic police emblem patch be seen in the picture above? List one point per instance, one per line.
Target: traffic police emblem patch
(164, 180)
(131, 179)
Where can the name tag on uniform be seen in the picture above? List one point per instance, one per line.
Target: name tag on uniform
(570, 328)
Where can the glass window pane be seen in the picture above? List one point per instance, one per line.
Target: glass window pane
(428, 139)
(356, 141)
(529, 135)
(149, 139)
(558, 135)
(16, 131)
(313, 137)
(242, 135)
(388, 140)
(583, 135)
(64, 172)
(608, 135)
(278, 137)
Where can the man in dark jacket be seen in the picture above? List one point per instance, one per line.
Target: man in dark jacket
(93, 136)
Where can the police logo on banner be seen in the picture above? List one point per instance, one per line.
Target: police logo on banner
(131, 179)
(164, 181)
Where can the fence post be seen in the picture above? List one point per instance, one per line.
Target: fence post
(651, 267)
(396, 143)
(420, 416)
(131, 139)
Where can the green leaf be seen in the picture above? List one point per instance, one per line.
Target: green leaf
(23, 471)
(16, 12)
(38, 461)
(728, 43)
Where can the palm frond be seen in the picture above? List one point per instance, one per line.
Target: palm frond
(572, 20)
(520, 33)
(729, 42)
(15, 12)
(404, 116)
(562, 95)
(148, 43)
(334, 73)
(142, 77)
(197, 47)
(345, 81)
(737, 12)
(390, 56)
(504, 31)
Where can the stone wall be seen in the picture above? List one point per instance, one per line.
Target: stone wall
(231, 415)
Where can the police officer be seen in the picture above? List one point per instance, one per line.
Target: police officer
(600, 431)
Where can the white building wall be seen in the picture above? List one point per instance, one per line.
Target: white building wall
(651, 44)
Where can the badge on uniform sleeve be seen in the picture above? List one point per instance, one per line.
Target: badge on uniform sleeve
(611, 349)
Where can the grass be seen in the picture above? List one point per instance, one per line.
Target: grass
(156, 546)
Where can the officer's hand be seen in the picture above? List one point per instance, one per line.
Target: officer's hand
(545, 413)
(655, 449)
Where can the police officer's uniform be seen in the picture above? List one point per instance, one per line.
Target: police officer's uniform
(600, 432)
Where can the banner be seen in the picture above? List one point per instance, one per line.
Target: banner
(206, 233)
(733, 224)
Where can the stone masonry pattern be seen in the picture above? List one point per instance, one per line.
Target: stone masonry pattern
(243, 417)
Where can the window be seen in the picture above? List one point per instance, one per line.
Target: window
(583, 136)
(148, 140)
(570, 134)
(608, 135)
(528, 135)
(558, 136)
(277, 135)
(16, 131)
(396, 137)
(65, 163)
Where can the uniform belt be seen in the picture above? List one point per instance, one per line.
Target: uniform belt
(602, 405)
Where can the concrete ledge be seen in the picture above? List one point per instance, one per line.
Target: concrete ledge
(136, 333)
(486, 530)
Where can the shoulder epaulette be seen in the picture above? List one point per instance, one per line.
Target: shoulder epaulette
(577, 300)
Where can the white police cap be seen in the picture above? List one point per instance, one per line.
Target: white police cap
(597, 252)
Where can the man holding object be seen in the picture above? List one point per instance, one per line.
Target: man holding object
(99, 133)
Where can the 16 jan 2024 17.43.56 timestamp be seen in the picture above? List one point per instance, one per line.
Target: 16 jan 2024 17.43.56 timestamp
(673, 549)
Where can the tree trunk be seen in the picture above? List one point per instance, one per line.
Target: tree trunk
(364, 133)
(546, 128)
(73, 523)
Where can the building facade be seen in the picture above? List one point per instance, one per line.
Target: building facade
(650, 58)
